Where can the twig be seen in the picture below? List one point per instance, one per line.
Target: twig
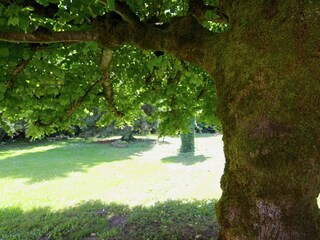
(79, 102)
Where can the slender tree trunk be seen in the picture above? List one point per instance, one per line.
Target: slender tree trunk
(187, 139)
(269, 105)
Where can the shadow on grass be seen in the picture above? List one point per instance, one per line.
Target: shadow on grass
(48, 161)
(185, 159)
(96, 220)
(206, 135)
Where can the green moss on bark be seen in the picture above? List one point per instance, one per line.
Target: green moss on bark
(268, 101)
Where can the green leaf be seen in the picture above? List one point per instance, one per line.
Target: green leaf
(3, 21)
(24, 22)
(12, 10)
(2, 88)
(187, 74)
(14, 21)
(94, 46)
(150, 66)
(4, 52)
(43, 2)
(112, 5)
(26, 55)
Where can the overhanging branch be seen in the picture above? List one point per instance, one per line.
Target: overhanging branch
(48, 37)
(184, 37)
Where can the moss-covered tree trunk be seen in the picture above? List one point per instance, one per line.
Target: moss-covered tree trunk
(187, 139)
(269, 105)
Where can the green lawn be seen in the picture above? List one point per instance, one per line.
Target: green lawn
(72, 189)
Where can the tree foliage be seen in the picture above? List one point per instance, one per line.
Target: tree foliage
(54, 86)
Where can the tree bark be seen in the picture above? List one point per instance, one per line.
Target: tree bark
(187, 139)
(127, 134)
(268, 102)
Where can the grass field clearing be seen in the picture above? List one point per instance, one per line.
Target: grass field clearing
(80, 189)
(61, 174)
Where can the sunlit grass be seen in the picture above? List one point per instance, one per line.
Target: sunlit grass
(62, 174)
(77, 189)
(16, 152)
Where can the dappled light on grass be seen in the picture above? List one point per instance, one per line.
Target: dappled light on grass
(44, 163)
(136, 175)
(18, 152)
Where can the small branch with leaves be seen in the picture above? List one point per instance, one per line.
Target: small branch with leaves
(22, 65)
(80, 101)
(19, 68)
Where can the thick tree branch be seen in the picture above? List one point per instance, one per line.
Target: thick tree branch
(106, 58)
(184, 38)
(47, 37)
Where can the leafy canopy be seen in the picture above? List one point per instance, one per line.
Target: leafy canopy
(54, 86)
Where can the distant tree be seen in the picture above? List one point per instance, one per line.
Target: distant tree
(187, 139)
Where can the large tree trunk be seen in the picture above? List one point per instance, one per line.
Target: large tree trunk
(269, 105)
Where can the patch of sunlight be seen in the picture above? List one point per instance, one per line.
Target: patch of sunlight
(15, 152)
(100, 172)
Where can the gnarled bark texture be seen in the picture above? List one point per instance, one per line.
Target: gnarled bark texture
(269, 104)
